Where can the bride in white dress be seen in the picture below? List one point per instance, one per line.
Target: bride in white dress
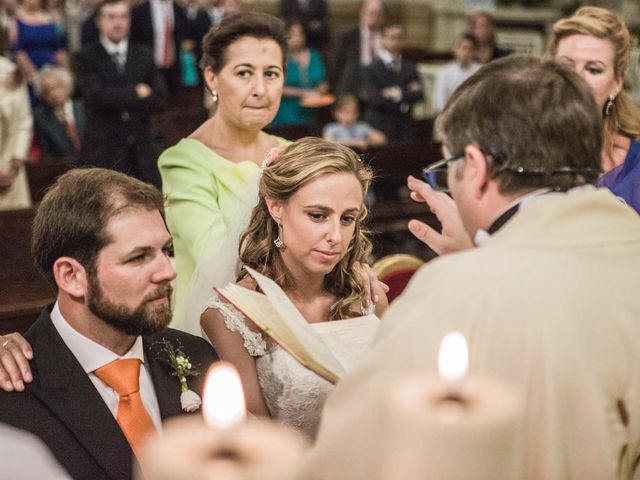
(306, 234)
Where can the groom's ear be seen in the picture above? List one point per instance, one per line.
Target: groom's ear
(275, 208)
(70, 276)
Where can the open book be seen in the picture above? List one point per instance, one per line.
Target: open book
(330, 349)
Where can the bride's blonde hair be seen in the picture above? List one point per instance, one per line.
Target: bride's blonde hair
(299, 164)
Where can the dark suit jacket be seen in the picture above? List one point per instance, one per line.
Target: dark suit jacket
(51, 134)
(317, 10)
(345, 73)
(63, 408)
(392, 118)
(116, 117)
(142, 32)
(379, 76)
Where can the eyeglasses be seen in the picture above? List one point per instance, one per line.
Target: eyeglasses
(436, 173)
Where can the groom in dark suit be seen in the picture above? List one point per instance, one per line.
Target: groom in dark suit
(121, 88)
(102, 381)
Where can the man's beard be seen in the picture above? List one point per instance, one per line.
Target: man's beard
(146, 319)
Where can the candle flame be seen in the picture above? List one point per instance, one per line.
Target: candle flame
(453, 358)
(223, 403)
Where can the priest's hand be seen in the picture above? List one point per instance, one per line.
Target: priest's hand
(15, 353)
(453, 237)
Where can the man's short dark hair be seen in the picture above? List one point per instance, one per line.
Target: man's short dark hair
(73, 216)
(533, 119)
(102, 3)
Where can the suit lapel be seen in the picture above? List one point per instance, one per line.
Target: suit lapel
(64, 387)
(167, 386)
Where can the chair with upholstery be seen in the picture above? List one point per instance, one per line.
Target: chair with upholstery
(396, 271)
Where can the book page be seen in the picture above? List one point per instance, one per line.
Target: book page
(349, 339)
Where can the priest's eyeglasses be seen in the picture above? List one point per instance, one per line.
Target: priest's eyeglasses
(436, 173)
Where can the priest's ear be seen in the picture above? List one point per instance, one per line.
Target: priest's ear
(70, 277)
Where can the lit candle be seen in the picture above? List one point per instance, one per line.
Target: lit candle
(434, 428)
(453, 362)
(223, 402)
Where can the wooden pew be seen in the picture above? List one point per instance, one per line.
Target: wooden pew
(23, 291)
(42, 175)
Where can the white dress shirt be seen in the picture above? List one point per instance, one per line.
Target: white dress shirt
(160, 11)
(92, 355)
(112, 49)
(369, 46)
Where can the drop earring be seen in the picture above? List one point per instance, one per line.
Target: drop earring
(608, 106)
(214, 96)
(278, 241)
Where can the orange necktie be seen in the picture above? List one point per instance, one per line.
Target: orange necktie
(124, 377)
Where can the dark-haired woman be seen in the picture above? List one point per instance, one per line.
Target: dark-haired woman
(210, 178)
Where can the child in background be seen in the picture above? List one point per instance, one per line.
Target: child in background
(347, 130)
(454, 73)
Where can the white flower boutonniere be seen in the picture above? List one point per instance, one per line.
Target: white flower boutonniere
(182, 368)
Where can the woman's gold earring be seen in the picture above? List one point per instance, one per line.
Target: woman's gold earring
(608, 107)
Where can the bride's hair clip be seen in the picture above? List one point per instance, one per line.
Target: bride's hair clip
(271, 156)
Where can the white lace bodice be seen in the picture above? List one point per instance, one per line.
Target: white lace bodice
(294, 394)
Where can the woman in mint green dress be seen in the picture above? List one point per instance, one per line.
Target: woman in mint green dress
(210, 179)
(306, 77)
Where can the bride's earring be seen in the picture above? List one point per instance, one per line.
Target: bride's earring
(214, 96)
(278, 241)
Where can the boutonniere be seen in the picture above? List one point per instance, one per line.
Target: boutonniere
(182, 368)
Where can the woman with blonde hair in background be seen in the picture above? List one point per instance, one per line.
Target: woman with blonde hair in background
(597, 44)
(307, 234)
(15, 132)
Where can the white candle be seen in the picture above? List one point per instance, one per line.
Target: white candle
(223, 397)
(453, 361)
(435, 428)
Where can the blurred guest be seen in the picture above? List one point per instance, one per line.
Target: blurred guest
(347, 129)
(231, 7)
(306, 77)
(162, 26)
(483, 27)
(78, 12)
(7, 12)
(392, 86)
(35, 40)
(15, 132)
(313, 15)
(597, 44)
(356, 47)
(451, 75)
(59, 121)
(121, 88)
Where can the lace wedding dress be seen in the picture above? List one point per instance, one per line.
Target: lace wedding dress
(294, 394)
